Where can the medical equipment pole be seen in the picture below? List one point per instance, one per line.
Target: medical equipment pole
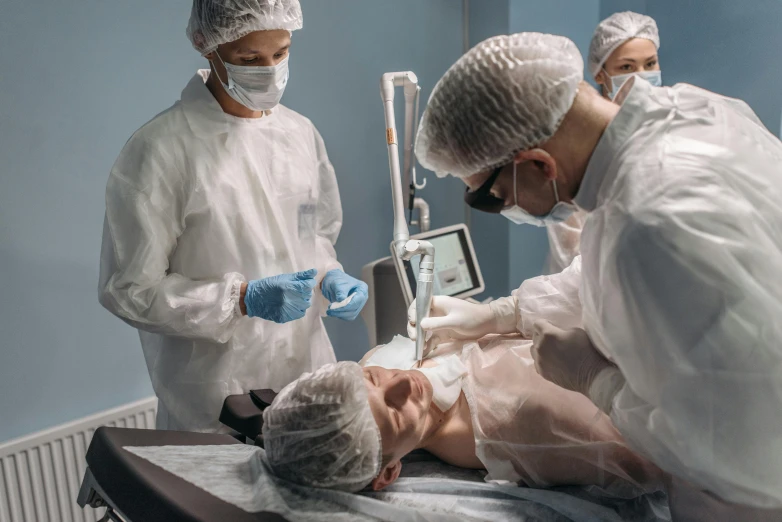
(410, 94)
(402, 246)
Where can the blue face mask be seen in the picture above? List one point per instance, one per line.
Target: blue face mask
(558, 213)
(653, 77)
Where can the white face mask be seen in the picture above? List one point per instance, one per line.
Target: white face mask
(558, 213)
(653, 77)
(259, 88)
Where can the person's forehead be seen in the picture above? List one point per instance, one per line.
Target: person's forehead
(259, 41)
(634, 49)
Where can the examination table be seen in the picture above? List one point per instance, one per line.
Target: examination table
(140, 491)
(134, 489)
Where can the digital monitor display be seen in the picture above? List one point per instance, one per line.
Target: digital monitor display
(454, 268)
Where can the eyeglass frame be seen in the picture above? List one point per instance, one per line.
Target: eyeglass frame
(482, 199)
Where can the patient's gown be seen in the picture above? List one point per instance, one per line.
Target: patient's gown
(532, 432)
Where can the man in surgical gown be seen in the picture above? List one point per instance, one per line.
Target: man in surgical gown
(623, 45)
(219, 212)
(670, 319)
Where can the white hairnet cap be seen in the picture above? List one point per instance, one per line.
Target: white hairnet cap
(320, 431)
(507, 94)
(215, 22)
(616, 30)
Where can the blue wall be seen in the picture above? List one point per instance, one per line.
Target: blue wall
(77, 80)
(609, 7)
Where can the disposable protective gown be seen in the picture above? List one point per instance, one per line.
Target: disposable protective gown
(197, 203)
(564, 241)
(679, 285)
(531, 432)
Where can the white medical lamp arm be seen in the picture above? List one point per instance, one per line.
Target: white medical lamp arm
(402, 246)
(411, 128)
(424, 220)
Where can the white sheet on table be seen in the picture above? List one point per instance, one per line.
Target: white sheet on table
(238, 474)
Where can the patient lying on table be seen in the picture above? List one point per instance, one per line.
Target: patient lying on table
(474, 404)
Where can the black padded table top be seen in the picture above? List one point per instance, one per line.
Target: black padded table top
(147, 493)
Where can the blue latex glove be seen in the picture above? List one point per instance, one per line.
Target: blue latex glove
(280, 298)
(337, 286)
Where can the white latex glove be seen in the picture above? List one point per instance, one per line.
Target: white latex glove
(451, 318)
(566, 357)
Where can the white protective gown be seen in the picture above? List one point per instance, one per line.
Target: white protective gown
(564, 241)
(197, 203)
(531, 432)
(681, 286)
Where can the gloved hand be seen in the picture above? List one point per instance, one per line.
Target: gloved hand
(451, 318)
(338, 286)
(566, 357)
(280, 298)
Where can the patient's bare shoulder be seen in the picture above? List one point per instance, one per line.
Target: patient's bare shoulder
(454, 443)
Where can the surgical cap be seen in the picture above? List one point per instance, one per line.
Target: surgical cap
(616, 30)
(505, 95)
(215, 22)
(320, 431)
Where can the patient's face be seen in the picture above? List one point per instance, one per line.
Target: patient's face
(400, 403)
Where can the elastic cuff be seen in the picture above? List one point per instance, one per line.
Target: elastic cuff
(505, 312)
(236, 294)
(334, 265)
(320, 303)
(323, 270)
(604, 388)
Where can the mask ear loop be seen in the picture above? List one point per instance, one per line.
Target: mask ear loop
(515, 192)
(604, 86)
(229, 83)
(556, 192)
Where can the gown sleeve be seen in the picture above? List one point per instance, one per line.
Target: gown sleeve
(144, 199)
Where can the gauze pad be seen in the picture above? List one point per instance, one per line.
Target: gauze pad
(446, 380)
(399, 354)
(341, 304)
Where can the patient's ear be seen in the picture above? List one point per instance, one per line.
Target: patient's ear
(387, 477)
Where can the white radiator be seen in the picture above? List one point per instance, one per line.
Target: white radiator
(40, 474)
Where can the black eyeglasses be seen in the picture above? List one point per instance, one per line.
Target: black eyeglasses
(482, 199)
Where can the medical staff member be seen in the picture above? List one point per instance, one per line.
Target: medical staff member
(670, 319)
(624, 45)
(221, 218)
